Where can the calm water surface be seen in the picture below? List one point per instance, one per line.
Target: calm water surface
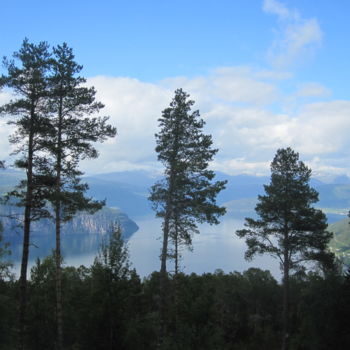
(216, 247)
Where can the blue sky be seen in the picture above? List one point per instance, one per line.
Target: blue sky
(264, 73)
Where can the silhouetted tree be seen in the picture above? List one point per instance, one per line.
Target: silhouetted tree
(72, 134)
(29, 83)
(186, 195)
(110, 273)
(289, 227)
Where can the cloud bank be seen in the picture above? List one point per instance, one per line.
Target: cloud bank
(244, 124)
(241, 107)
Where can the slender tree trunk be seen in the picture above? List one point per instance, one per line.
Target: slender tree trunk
(176, 248)
(176, 283)
(23, 277)
(163, 271)
(164, 255)
(26, 237)
(163, 280)
(59, 318)
(285, 312)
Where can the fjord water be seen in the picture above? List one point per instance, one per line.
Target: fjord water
(216, 247)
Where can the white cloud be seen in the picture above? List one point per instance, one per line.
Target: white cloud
(296, 38)
(239, 84)
(4, 145)
(247, 135)
(239, 87)
(313, 90)
(242, 166)
(322, 128)
(328, 169)
(5, 129)
(245, 126)
(133, 107)
(279, 9)
(5, 97)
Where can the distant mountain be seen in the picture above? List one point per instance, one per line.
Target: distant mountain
(82, 235)
(342, 179)
(139, 178)
(334, 195)
(128, 191)
(130, 197)
(82, 223)
(241, 186)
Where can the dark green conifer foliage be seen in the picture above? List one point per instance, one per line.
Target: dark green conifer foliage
(186, 195)
(113, 255)
(72, 132)
(55, 130)
(111, 271)
(289, 228)
(28, 81)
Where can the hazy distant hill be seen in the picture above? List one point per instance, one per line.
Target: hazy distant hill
(82, 223)
(129, 190)
(130, 197)
(241, 194)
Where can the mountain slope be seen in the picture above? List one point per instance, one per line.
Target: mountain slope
(129, 198)
(340, 243)
(82, 223)
(129, 190)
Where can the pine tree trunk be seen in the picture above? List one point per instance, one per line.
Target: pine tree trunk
(167, 217)
(26, 237)
(163, 271)
(176, 248)
(162, 281)
(59, 318)
(164, 254)
(285, 312)
(23, 277)
(176, 284)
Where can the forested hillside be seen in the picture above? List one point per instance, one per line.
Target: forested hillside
(236, 311)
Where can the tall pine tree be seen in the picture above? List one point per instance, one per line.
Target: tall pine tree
(72, 134)
(289, 228)
(186, 195)
(27, 78)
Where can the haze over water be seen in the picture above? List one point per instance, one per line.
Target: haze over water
(216, 247)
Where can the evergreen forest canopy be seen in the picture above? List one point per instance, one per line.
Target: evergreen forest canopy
(106, 305)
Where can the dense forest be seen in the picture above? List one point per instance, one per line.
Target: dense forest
(107, 305)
